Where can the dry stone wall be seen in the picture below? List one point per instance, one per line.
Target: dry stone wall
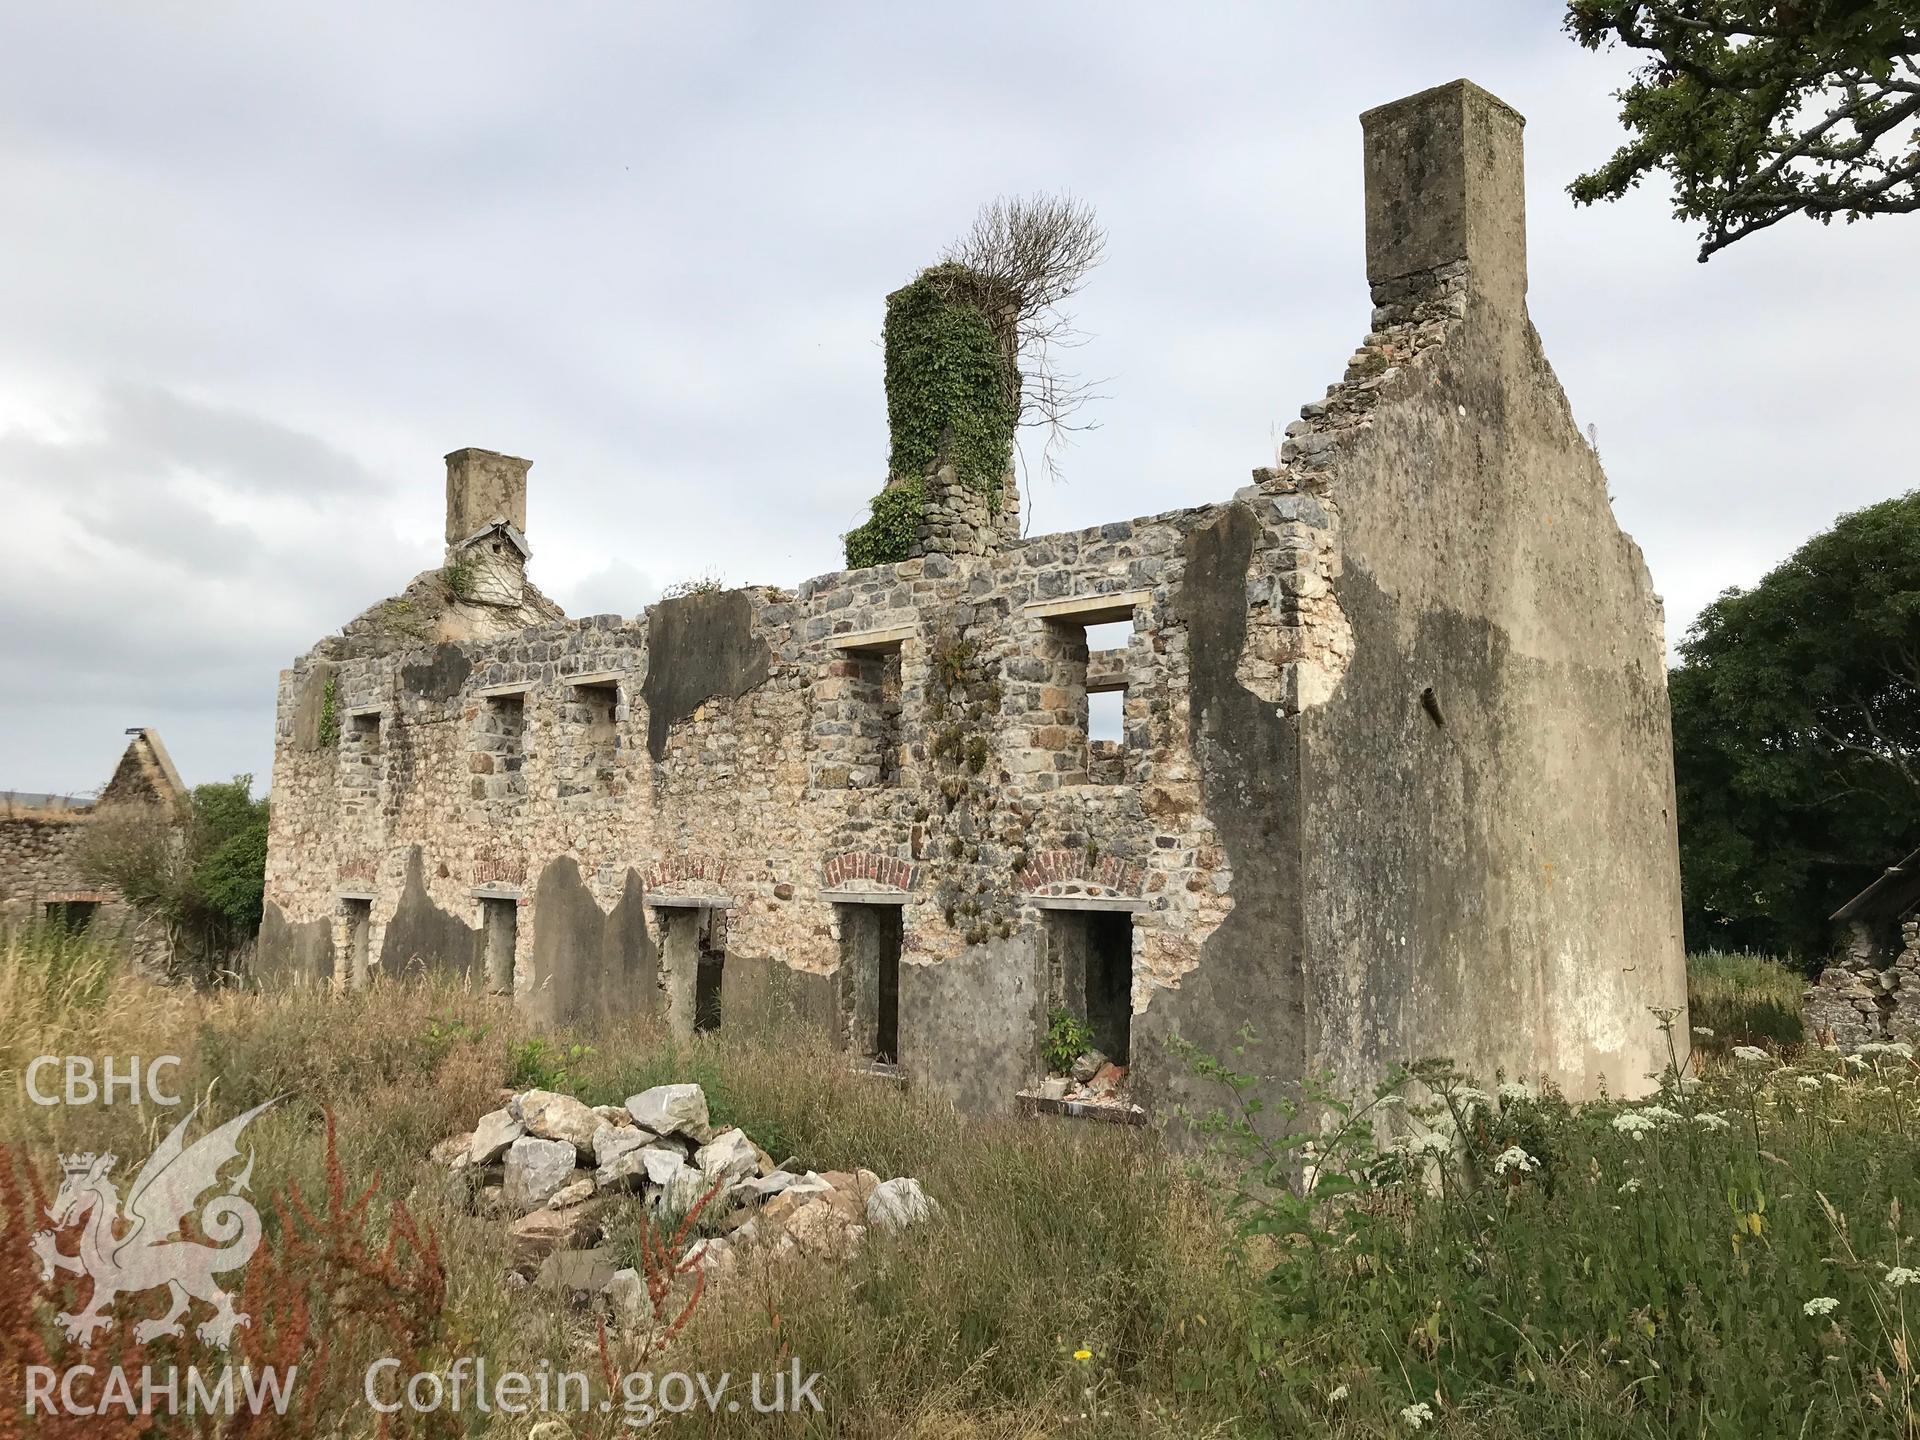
(1864, 998)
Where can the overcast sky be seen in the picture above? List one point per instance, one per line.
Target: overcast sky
(265, 264)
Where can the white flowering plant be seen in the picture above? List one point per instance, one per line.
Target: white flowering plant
(1510, 1249)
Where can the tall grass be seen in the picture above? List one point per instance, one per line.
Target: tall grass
(1744, 999)
(1639, 1277)
(60, 994)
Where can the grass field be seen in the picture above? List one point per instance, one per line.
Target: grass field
(1744, 999)
(1728, 1258)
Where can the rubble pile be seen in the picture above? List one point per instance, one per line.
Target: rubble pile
(554, 1166)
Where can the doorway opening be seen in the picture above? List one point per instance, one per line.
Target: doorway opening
(72, 917)
(708, 973)
(870, 968)
(693, 958)
(359, 918)
(1090, 960)
(500, 925)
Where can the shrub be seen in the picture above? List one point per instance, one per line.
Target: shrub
(538, 1063)
(699, 585)
(201, 873)
(1068, 1038)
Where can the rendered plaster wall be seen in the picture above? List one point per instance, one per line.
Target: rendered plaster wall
(1490, 868)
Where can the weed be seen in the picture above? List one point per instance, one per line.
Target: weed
(1068, 1038)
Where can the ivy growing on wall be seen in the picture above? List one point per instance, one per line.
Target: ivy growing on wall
(950, 386)
(330, 712)
(888, 533)
(953, 395)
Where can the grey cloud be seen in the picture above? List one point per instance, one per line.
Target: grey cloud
(275, 269)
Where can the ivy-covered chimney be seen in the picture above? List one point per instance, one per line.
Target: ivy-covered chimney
(953, 398)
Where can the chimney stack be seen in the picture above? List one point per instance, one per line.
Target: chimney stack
(1445, 184)
(484, 486)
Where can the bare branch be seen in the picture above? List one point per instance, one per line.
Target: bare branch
(1038, 250)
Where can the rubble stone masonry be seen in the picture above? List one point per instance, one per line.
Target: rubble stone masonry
(1395, 777)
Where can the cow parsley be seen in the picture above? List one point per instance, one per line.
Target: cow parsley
(1514, 1158)
(1820, 1305)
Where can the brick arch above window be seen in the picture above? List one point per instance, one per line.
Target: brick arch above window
(853, 868)
(1066, 872)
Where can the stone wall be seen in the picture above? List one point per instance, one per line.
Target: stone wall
(39, 860)
(1491, 854)
(492, 758)
(957, 519)
(1866, 996)
(42, 872)
(1395, 777)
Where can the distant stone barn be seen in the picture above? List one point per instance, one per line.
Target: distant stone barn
(1869, 993)
(44, 874)
(1388, 772)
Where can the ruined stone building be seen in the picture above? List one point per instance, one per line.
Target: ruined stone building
(1394, 776)
(1870, 993)
(41, 837)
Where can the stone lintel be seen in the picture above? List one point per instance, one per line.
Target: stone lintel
(1106, 671)
(891, 638)
(865, 897)
(690, 902)
(1090, 609)
(495, 892)
(1089, 902)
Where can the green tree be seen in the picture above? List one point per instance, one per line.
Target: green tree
(1759, 109)
(198, 869)
(1796, 730)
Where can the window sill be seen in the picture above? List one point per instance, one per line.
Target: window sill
(1109, 1112)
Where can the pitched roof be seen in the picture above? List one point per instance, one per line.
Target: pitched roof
(1895, 892)
(505, 527)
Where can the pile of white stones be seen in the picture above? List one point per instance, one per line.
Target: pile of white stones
(555, 1164)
